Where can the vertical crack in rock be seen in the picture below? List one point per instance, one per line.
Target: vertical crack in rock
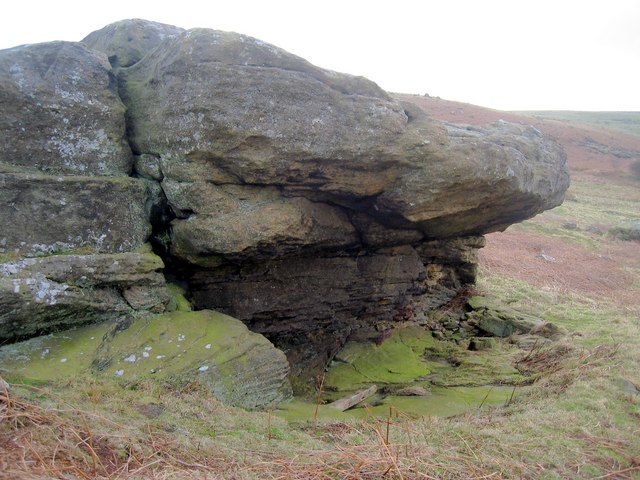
(311, 204)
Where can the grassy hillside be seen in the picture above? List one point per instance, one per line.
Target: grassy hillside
(625, 122)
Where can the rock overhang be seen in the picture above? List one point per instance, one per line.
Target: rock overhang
(308, 203)
(223, 108)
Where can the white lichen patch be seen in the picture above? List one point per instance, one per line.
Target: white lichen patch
(208, 346)
(203, 368)
(47, 249)
(42, 290)
(48, 292)
(119, 373)
(13, 268)
(131, 358)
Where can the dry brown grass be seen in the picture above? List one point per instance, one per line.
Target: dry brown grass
(39, 439)
(39, 442)
(570, 267)
(46, 442)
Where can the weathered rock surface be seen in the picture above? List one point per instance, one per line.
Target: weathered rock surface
(311, 205)
(239, 367)
(50, 214)
(127, 41)
(502, 321)
(223, 108)
(63, 291)
(61, 112)
(232, 221)
(325, 299)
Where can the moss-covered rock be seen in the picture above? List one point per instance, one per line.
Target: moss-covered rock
(500, 320)
(240, 367)
(627, 230)
(398, 359)
(412, 357)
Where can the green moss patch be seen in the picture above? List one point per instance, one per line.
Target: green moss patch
(240, 367)
(454, 378)
(399, 359)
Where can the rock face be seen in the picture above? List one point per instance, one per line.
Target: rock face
(310, 204)
(62, 291)
(61, 113)
(221, 108)
(51, 214)
(127, 41)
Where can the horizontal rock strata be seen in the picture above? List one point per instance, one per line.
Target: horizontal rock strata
(310, 204)
(38, 295)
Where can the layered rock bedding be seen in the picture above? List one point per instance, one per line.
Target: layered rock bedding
(311, 205)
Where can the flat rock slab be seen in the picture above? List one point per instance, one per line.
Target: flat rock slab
(239, 367)
(499, 320)
(40, 294)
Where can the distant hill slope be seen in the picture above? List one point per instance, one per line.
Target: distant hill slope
(625, 122)
(591, 148)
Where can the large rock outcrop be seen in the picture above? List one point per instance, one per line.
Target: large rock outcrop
(310, 204)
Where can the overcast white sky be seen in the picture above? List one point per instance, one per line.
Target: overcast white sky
(504, 54)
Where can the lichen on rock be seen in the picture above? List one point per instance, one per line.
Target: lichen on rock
(312, 205)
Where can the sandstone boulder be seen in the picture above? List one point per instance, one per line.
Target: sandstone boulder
(311, 205)
(127, 41)
(223, 108)
(61, 113)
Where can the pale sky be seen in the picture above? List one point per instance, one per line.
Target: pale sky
(504, 54)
